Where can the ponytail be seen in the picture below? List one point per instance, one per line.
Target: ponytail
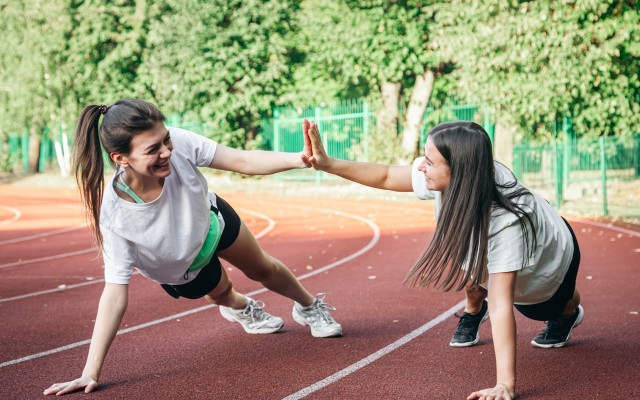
(88, 167)
(122, 120)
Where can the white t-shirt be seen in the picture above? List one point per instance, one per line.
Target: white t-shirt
(544, 271)
(161, 238)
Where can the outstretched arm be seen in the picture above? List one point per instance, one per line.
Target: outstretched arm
(113, 304)
(380, 176)
(258, 162)
(503, 328)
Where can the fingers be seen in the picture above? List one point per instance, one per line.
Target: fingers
(314, 136)
(307, 142)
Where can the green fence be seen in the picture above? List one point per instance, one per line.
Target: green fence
(54, 148)
(579, 168)
(345, 127)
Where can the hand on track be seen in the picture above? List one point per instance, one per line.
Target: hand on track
(89, 384)
(499, 392)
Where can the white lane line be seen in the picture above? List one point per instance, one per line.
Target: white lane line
(67, 287)
(609, 226)
(41, 235)
(56, 256)
(375, 356)
(372, 242)
(271, 224)
(16, 215)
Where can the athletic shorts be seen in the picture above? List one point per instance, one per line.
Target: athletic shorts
(553, 308)
(209, 276)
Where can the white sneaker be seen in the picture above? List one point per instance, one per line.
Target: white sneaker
(253, 318)
(317, 316)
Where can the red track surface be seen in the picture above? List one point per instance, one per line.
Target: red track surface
(201, 356)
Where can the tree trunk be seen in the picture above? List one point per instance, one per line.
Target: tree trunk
(34, 151)
(415, 112)
(503, 142)
(388, 114)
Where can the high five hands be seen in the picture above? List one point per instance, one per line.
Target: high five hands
(313, 153)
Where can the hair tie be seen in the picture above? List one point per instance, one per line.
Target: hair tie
(103, 109)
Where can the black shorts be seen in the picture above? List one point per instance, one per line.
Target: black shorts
(209, 276)
(552, 308)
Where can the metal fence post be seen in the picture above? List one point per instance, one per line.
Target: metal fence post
(324, 140)
(557, 167)
(365, 129)
(603, 173)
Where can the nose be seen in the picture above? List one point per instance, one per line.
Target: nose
(165, 152)
(423, 165)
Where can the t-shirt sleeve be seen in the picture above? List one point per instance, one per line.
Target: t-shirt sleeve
(419, 182)
(506, 249)
(119, 258)
(196, 148)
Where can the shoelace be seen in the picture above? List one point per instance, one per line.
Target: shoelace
(466, 323)
(323, 309)
(255, 311)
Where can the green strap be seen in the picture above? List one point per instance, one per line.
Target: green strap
(122, 185)
(210, 244)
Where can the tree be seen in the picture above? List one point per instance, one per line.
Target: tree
(377, 48)
(224, 62)
(535, 62)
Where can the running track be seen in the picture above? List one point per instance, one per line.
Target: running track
(396, 339)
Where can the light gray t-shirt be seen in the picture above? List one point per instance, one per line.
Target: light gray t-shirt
(161, 238)
(544, 271)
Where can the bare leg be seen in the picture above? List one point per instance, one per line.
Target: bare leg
(247, 255)
(225, 295)
(572, 304)
(475, 296)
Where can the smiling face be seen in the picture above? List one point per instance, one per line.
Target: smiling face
(435, 168)
(150, 154)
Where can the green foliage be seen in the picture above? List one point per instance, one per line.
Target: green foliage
(536, 61)
(222, 62)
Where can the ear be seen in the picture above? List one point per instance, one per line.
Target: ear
(119, 159)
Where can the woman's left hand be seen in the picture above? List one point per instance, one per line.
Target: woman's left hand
(307, 152)
(499, 392)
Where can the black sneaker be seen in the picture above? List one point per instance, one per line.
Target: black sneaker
(558, 331)
(468, 330)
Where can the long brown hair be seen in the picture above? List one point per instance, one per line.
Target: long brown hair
(458, 253)
(121, 121)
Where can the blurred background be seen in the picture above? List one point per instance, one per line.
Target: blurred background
(556, 84)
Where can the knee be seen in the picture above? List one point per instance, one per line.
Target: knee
(268, 268)
(219, 295)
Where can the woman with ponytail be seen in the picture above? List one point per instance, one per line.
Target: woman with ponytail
(157, 215)
(495, 239)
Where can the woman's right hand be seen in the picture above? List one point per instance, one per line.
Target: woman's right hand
(318, 158)
(89, 384)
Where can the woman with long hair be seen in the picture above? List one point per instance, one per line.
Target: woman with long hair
(157, 215)
(495, 239)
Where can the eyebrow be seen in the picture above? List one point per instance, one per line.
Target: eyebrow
(151, 147)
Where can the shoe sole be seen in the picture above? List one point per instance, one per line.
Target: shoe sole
(300, 320)
(477, 339)
(555, 345)
(260, 331)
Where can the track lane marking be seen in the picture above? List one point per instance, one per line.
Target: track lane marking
(16, 216)
(271, 224)
(374, 240)
(41, 235)
(343, 373)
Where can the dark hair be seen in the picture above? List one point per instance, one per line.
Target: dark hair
(458, 252)
(121, 121)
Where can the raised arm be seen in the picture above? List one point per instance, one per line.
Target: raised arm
(380, 176)
(113, 304)
(257, 162)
